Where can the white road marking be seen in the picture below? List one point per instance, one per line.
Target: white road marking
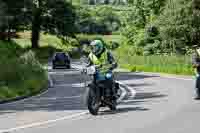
(50, 81)
(63, 72)
(132, 90)
(58, 98)
(70, 85)
(122, 96)
(43, 123)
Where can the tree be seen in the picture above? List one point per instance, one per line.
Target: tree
(109, 18)
(60, 19)
(36, 23)
(195, 22)
(179, 25)
(103, 20)
(3, 20)
(12, 16)
(138, 25)
(53, 16)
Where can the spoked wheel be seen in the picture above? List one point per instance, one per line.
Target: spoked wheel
(93, 102)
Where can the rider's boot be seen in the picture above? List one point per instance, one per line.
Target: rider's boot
(197, 89)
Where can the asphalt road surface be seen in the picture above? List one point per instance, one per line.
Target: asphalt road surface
(163, 104)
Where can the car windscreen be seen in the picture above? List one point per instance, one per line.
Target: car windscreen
(61, 56)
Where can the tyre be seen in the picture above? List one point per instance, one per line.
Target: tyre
(197, 93)
(54, 67)
(113, 107)
(93, 102)
(68, 66)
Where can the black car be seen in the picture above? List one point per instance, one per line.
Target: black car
(61, 60)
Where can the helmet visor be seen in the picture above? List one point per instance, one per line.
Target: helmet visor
(95, 48)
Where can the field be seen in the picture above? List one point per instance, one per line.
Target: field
(172, 64)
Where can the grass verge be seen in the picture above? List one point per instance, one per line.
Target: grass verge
(176, 64)
(21, 73)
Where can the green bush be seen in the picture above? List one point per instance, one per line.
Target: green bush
(178, 26)
(160, 27)
(21, 74)
(100, 20)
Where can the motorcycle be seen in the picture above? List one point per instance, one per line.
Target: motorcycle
(100, 94)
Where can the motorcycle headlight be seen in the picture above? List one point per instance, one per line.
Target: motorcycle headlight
(108, 75)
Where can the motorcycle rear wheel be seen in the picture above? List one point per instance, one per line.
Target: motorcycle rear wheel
(113, 107)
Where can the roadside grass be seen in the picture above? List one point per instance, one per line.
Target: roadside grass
(171, 64)
(107, 38)
(21, 73)
(24, 40)
(48, 45)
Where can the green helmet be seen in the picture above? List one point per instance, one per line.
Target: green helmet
(97, 46)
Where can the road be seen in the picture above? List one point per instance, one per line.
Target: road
(163, 104)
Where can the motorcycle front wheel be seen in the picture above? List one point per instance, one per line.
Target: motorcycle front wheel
(93, 101)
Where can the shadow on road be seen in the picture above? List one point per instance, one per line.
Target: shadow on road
(131, 76)
(123, 110)
(138, 85)
(149, 95)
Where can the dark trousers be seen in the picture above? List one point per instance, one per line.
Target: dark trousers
(198, 85)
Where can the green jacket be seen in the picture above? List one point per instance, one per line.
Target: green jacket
(105, 62)
(196, 60)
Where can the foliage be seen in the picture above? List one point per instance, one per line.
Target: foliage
(14, 17)
(173, 64)
(58, 18)
(52, 16)
(102, 20)
(138, 25)
(48, 44)
(22, 74)
(163, 27)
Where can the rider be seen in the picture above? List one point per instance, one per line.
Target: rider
(104, 62)
(196, 65)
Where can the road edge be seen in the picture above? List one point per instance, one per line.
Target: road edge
(20, 98)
